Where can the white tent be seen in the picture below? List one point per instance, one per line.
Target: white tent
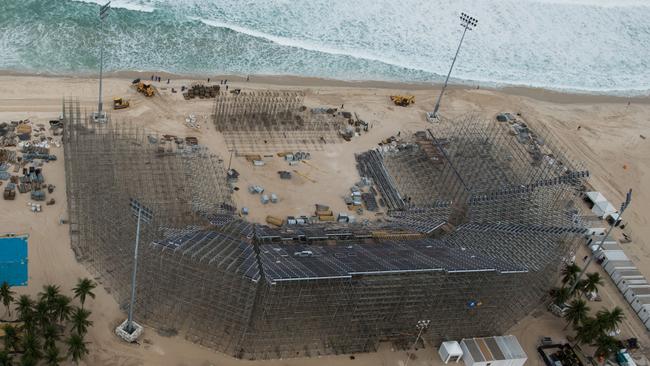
(450, 351)
(602, 207)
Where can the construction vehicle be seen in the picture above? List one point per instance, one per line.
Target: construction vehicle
(403, 100)
(146, 89)
(120, 103)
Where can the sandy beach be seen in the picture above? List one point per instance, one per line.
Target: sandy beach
(607, 133)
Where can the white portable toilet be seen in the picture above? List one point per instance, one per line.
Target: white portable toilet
(626, 274)
(450, 352)
(624, 284)
(634, 291)
(638, 302)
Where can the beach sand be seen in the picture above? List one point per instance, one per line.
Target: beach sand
(609, 142)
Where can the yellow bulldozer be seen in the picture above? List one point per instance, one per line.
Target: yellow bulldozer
(146, 89)
(403, 100)
(120, 103)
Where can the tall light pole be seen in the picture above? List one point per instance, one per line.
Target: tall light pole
(467, 22)
(143, 214)
(628, 199)
(421, 326)
(100, 116)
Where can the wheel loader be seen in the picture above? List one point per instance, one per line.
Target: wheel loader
(120, 103)
(146, 89)
(403, 100)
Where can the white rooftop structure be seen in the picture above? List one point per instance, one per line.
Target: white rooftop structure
(602, 208)
(450, 352)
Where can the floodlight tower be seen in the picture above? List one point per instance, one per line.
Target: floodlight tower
(129, 330)
(100, 115)
(468, 23)
(421, 326)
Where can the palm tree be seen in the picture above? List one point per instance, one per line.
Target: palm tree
(609, 320)
(576, 313)
(25, 306)
(11, 338)
(5, 359)
(560, 295)
(50, 292)
(84, 288)
(76, 347)
(31, 347)
(53, 357)
(42, 313)
(605, 346)
(591, 283)
(570, 273)
(62, 308)
(7, 296)
(28, 361)
(588, 331)
(80, 322)
(50, 336)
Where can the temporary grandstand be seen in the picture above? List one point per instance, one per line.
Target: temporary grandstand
(472, 243)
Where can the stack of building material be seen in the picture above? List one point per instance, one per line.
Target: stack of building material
(324, 213)
(201, 91)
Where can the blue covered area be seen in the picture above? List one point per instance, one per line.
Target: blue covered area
(13, 260)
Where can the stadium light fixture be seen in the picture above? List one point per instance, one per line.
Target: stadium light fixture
(468, 23)
(100, 115)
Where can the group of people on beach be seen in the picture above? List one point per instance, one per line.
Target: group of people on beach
(221, 82)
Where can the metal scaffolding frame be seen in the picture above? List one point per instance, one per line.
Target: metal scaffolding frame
(474, 251)
(259, 122)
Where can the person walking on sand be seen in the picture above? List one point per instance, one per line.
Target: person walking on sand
(208, 80)
(248, 78)
(167, 81)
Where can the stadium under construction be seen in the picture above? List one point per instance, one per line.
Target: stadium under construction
(478, 223)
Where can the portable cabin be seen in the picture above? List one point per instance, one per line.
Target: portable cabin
(612, 266)
(636, 290)
(493, 351)
(630, 274)
(624, 284)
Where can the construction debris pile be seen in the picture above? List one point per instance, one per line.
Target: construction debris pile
(22, 161)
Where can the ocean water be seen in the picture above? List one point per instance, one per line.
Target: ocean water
(600, 46)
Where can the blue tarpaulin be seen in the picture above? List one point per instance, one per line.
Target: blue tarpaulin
(13, 260)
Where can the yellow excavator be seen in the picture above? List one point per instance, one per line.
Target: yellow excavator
(120, 103)
(403, 100)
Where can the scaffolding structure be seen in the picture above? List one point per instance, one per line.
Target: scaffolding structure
(259, 122)
(454, 254)
(109, 164)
